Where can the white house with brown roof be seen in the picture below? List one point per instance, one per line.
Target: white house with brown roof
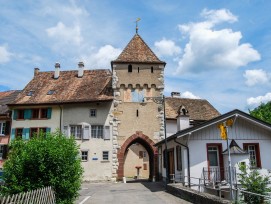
(199, 152)
(78, 103)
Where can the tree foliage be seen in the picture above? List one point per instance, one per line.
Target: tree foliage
(253, 182)
(46, 160)
(262, 112)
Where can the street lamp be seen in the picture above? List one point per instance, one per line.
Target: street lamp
(161, 100)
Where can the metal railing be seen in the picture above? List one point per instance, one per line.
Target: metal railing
(240, 195)
(217, 175)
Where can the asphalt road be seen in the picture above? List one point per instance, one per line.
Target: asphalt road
(128, 193)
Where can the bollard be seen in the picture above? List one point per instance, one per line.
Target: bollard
(124, 179)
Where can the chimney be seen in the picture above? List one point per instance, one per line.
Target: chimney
(36, 71)
(80, 69)
(182, 119)
(175, 94)
(57, 70)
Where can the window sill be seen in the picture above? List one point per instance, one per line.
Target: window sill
(84, 160)
(38, 119)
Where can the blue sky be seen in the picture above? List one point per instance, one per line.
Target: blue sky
(215, 50)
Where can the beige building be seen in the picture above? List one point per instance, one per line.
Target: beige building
(137, 74)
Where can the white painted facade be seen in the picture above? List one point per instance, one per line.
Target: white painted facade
(96, 167)
(244, 131)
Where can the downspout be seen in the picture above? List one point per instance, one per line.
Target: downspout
(60, 118)
(188, 160)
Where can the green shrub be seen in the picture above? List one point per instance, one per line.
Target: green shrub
(46, 160)
(253, 182)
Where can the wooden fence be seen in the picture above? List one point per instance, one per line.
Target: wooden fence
(40, 196)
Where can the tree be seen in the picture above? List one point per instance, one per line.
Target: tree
(45, 160)
(253, 182)
(262, 112)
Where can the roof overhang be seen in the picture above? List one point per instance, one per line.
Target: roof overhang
(60, 103)
(230, 115)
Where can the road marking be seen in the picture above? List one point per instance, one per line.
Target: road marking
(85, 200)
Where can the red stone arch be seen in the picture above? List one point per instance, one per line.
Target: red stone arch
(147, 143)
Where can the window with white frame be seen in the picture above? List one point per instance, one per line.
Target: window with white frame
(92, 112)
(84, 155)
(76, 131)
(254, 154)
(2, 128)
(97, 131)
(105, 155)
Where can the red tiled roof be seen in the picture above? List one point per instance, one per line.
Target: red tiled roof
(137, 51)
(198, 109)
(5, 98)
(95, 85)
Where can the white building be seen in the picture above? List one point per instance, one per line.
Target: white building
(199, 152)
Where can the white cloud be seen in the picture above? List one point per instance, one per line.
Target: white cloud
(209, 48)
(103, 57)
(5, 55)
(256, 76)
(188, 94)
(259, 99)
(217, 16)
(65, 35)
(166, 48)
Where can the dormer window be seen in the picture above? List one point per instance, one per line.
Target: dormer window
(50, 92)
(130, 68)
(30, 93)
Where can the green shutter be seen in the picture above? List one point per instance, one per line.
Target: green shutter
(49, 113)
(26, 132)
(27, 113)
(15, 114)
(12, 134)
(48, 130)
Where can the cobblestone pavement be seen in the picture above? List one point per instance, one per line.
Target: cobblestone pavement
(129, 193)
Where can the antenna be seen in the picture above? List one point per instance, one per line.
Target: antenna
(138, 19)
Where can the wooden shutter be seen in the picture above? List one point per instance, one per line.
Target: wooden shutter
(27, 113)
(107, 132)
(5, 151)
(49, 113)
(86, 130)
(48, 130)
(26, 132)
(12, 134)
(7, 128)
(15, 114)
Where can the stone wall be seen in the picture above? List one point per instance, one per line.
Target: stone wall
(194, 196)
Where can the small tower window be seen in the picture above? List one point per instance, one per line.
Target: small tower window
(130, 68)
(151, 69)
(138, 70)
(136, 113)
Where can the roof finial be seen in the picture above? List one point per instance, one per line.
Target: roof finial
(138, 19)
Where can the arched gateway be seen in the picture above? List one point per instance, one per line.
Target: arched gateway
(147, 143)
(138, 75)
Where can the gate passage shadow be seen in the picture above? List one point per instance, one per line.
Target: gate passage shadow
(152, 186)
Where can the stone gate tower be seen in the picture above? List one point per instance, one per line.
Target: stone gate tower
(137, 73)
